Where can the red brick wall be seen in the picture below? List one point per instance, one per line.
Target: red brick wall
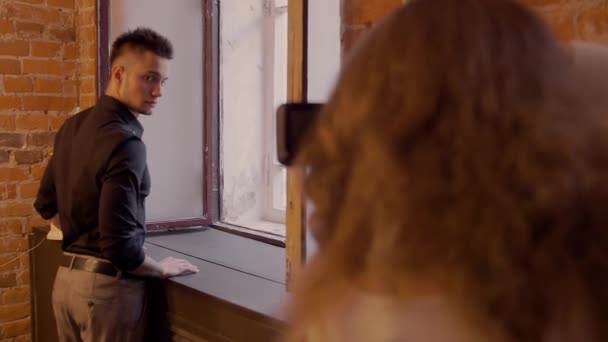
(576, 19)
(570, 19)
(47, 68)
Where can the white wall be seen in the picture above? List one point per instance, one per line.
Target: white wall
(323, 48)
(174, 133)
(323, 61)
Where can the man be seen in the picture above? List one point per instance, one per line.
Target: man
(94, 188)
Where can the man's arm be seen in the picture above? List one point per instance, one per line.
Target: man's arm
(46, 199)
(121, 238)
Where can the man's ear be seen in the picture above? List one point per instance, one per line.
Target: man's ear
(118, 72)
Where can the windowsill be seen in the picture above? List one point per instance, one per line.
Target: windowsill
(244, 272)
(263, 227)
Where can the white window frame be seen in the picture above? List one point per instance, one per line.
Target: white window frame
(275, 79)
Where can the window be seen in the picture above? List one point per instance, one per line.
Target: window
(211, 141)
(253, 73)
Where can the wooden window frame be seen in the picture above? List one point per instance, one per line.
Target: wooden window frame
(296, 92)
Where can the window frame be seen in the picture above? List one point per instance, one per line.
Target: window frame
(272, 168)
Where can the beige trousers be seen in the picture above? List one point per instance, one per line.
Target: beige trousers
(92, 307)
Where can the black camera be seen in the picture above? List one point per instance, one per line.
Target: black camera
(294, 120)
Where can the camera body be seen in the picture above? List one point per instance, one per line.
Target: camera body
(293, 123)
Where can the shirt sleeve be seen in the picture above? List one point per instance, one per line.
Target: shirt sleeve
(46, 199)
(121, 236)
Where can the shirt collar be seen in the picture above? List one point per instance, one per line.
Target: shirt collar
(112, 105)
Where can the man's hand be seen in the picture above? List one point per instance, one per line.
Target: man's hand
(175, 267)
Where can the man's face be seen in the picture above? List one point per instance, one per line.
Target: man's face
(142, 81)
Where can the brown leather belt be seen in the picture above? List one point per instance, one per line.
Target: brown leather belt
(94, 266)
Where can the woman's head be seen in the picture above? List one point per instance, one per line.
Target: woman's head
(455, 145)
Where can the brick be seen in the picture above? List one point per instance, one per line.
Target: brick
(361, 12)
(45, 49)
(63, 34)
(4, 156)
(35, 221)
(68, 18)
(24, 259)
(37, 171)
(11, 192)
(33, 121)
(58, 120)
(61, 3)
(86, 3)
(10, 66)
(87, 101)
(47, 67)
(88, 68)
(55, 15)
(88, 86)
(70, 87)
(10, 227)
(28, 190)
(13, 244)
(46, 103)
(88, 34)
(28, 157)
(23, 278)
(6, 26)
(71, 51)
(11, 265)
(14, 210)
(7, 192)
(29, 30)
(28, 12)
(16, 295)
(8, 280)
(10, 102)
(12, 174)
(24, 338)
(88, 52)
(70, 68)
(16, 328)
(36, 2)
(14, 48)
(7, 122)
(18, 84)
(14, 312)
(592, 23)
(86, 17)
(41, 139)
(562, 23)
(15, 140)
(51, 85)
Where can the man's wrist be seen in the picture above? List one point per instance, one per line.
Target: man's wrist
(163, 273)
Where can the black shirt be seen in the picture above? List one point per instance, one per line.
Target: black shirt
(97, 181)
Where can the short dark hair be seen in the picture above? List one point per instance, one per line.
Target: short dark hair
(141, 38)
